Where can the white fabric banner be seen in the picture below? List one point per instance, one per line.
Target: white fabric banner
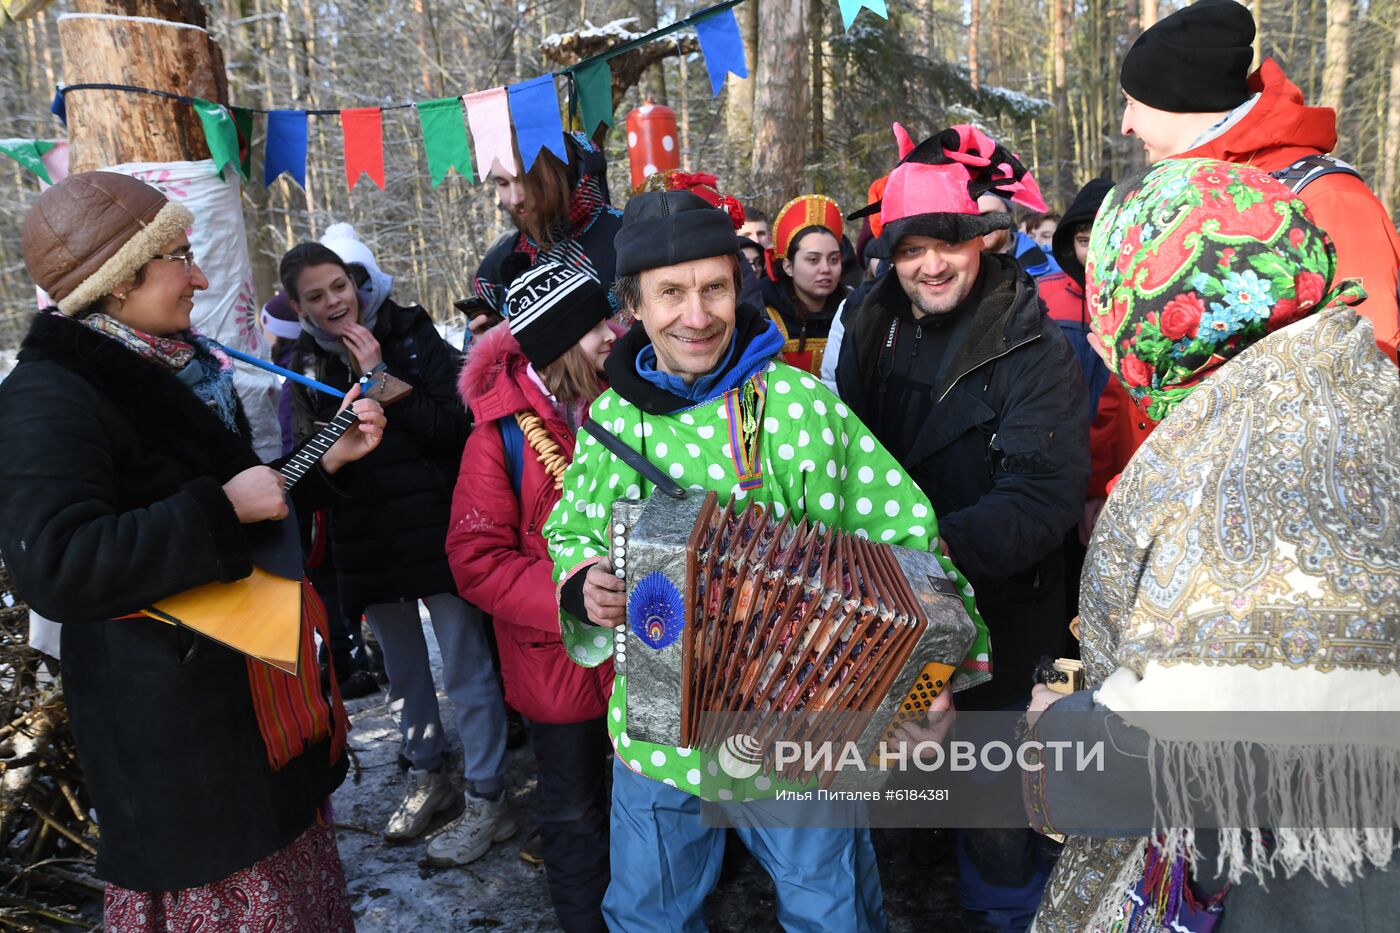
(228, 309)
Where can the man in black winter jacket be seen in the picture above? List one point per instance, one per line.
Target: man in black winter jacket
(953, 363)
(955, 366)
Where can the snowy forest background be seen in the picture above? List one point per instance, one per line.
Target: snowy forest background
(814, 116)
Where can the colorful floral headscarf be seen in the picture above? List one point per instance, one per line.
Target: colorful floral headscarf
(1193, 261)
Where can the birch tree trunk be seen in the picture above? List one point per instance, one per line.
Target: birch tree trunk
(1135, 13)
(739, 92)
(1334, 69)
(974, 26)
(1149, 17)
(1257, 8)
(654, 78)
(997, 70)
(781, 106)
(1392, 129)
(1061, 128)
(814, 27)
(505, 22)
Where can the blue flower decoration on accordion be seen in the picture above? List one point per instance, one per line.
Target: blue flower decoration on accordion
(656, 611)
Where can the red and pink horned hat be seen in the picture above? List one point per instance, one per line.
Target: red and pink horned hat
(933, 191)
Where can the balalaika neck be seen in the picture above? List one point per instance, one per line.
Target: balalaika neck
(313, 450)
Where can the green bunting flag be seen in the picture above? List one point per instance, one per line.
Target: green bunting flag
(243, 122)
(29, 153)
(445, 138)
(219, 132)
(594, 96)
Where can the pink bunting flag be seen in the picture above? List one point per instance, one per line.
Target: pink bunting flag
(488, 115)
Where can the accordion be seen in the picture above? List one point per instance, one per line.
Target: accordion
(741, 622)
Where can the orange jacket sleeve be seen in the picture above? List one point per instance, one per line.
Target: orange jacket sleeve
(1368, 248)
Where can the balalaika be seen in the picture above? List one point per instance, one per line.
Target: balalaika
(260, 615)
(775, 629)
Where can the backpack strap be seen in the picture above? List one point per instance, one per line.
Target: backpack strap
(1310, 168)
(514, 441)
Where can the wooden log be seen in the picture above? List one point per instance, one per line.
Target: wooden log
(160, 44)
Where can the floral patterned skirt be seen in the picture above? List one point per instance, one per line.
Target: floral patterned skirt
(298, 889)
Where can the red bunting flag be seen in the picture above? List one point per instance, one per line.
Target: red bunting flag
(363, 128)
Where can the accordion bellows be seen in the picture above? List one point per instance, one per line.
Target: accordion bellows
(739, 617)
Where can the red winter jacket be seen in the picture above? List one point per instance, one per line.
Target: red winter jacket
(1120, 426)
(1278, 131)
(495, 544)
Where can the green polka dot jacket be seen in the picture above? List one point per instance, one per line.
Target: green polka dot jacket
(818, 459)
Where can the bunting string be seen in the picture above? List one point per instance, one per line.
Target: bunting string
(451, 126)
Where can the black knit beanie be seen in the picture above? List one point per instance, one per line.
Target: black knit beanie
(550, 307)
(664, 228)
(1193, 61)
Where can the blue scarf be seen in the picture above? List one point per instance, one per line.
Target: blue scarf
(210, 376)
(723, 377)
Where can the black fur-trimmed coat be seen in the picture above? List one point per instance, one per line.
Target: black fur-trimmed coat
(111, 499)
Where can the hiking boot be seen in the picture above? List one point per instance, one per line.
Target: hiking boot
(469, 837)
(429, 793)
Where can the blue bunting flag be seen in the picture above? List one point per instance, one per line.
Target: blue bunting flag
(723, 47)
(286, 146)
(534, 109)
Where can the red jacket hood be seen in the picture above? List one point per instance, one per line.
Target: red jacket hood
(495, 383)
(1278, 130)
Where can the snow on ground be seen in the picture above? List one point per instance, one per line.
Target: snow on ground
(388, 889)
(390, 892)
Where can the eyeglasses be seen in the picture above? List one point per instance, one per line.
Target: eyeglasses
(187, 258)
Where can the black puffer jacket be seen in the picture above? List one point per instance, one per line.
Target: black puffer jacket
(1000, 453)
(390, 537)
(111, 500)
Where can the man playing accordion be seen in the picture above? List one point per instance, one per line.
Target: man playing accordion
(697, 391)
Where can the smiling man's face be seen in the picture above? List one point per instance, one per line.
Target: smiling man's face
(688, 312)
(935, 274)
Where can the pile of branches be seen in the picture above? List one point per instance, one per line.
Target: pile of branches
(48, 839)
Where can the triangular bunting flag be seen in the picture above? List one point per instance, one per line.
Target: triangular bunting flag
(29, 153)
(219, 133)
(488, 113)
(286, 146)
(850, 8)
(594, 95)
(55, 159)
(445, 138)
(534, 109)
(59, 107)
(723, 47)
(363, 129)
(243, 122)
